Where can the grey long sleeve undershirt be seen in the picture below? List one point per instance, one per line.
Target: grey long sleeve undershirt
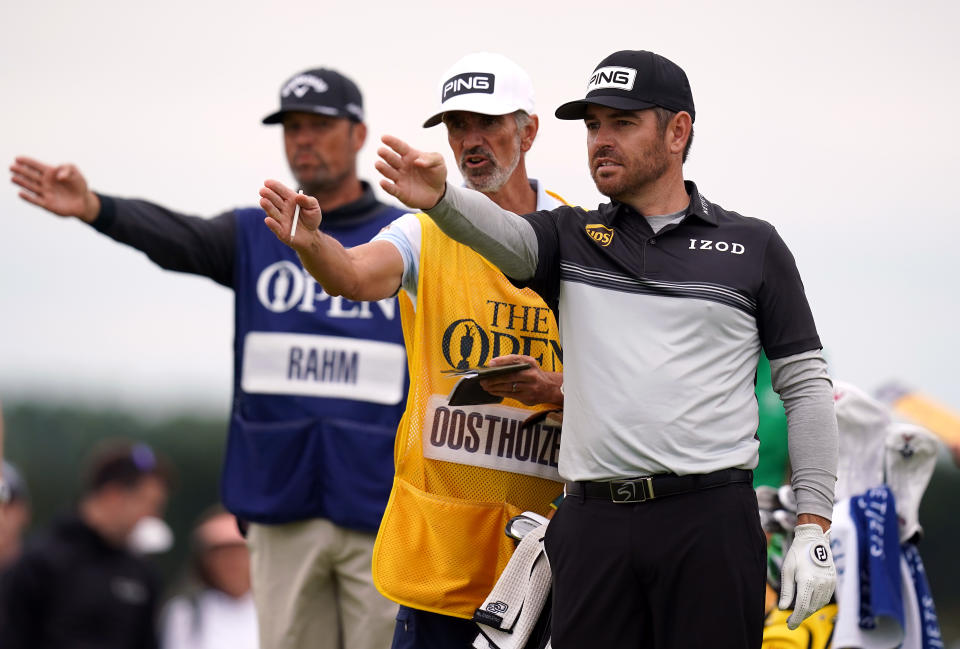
(509, 242)
(806, 390)
(505, 239)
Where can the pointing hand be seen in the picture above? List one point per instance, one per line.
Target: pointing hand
(62, 189)
(415, 178)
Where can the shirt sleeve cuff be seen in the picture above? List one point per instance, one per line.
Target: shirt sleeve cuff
(107, 215)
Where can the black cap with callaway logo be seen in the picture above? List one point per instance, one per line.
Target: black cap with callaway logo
(634, 80)
(320, 91)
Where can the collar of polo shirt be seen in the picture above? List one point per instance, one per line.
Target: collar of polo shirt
(699, 207)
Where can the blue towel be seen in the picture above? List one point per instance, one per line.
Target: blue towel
(874, 514)
(929, 625)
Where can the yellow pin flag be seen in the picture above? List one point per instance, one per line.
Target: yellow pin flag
(922, 409)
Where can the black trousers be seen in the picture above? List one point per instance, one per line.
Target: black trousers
(679, 572)
(418, 629)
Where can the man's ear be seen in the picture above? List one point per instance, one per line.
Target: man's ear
(529, 133)
(678, 132)
(359, 135)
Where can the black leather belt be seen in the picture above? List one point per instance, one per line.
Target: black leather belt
(638, 490)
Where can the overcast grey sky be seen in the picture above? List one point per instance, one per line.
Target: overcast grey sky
(835, 121)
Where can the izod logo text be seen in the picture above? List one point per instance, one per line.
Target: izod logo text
(719, 246)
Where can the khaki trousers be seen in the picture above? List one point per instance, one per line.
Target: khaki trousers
(313, 588)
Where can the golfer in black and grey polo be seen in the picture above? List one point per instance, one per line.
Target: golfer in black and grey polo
(664, 301)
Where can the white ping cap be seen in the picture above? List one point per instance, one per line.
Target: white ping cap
(485, 83)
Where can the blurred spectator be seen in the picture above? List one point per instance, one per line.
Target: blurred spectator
(217, 612)
(4, 486)
(78, 585)
(14, 515)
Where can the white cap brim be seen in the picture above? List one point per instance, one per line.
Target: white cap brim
(483, 104)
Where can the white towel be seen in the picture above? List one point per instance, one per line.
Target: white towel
(862, 424)
(507, 617)
(911, 455)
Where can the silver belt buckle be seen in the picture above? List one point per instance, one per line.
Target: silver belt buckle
(631, 491)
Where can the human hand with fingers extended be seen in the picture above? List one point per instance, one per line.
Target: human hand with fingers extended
(531, 386)
(808, 576)
(280, 203)
(60, 189)
(415, 178)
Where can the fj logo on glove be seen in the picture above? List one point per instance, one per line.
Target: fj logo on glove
(806, 586)
(820, 555)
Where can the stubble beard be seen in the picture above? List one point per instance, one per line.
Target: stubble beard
(646, 169)
(488, 182)
(320, 180)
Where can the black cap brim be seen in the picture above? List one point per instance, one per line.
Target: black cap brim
(433, 121)
(578, 109)
(277, 117)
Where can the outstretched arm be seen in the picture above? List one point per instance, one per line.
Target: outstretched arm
(175, 241)
(60, 189)
(371, 271)
(418, 180)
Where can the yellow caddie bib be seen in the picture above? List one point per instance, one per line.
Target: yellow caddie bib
(463, 472)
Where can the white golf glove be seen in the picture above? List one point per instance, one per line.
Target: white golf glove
(808, 572)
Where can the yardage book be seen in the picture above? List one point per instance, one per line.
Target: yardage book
(468, 392)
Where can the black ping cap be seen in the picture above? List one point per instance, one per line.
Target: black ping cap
(320, 91)
(634, 80)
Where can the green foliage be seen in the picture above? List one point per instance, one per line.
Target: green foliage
(941, 525)
(50, 444)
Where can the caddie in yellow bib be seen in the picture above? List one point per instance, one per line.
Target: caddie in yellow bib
(463, 471)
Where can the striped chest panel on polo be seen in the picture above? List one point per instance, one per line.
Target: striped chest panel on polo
(615, 248)
(662, 332)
